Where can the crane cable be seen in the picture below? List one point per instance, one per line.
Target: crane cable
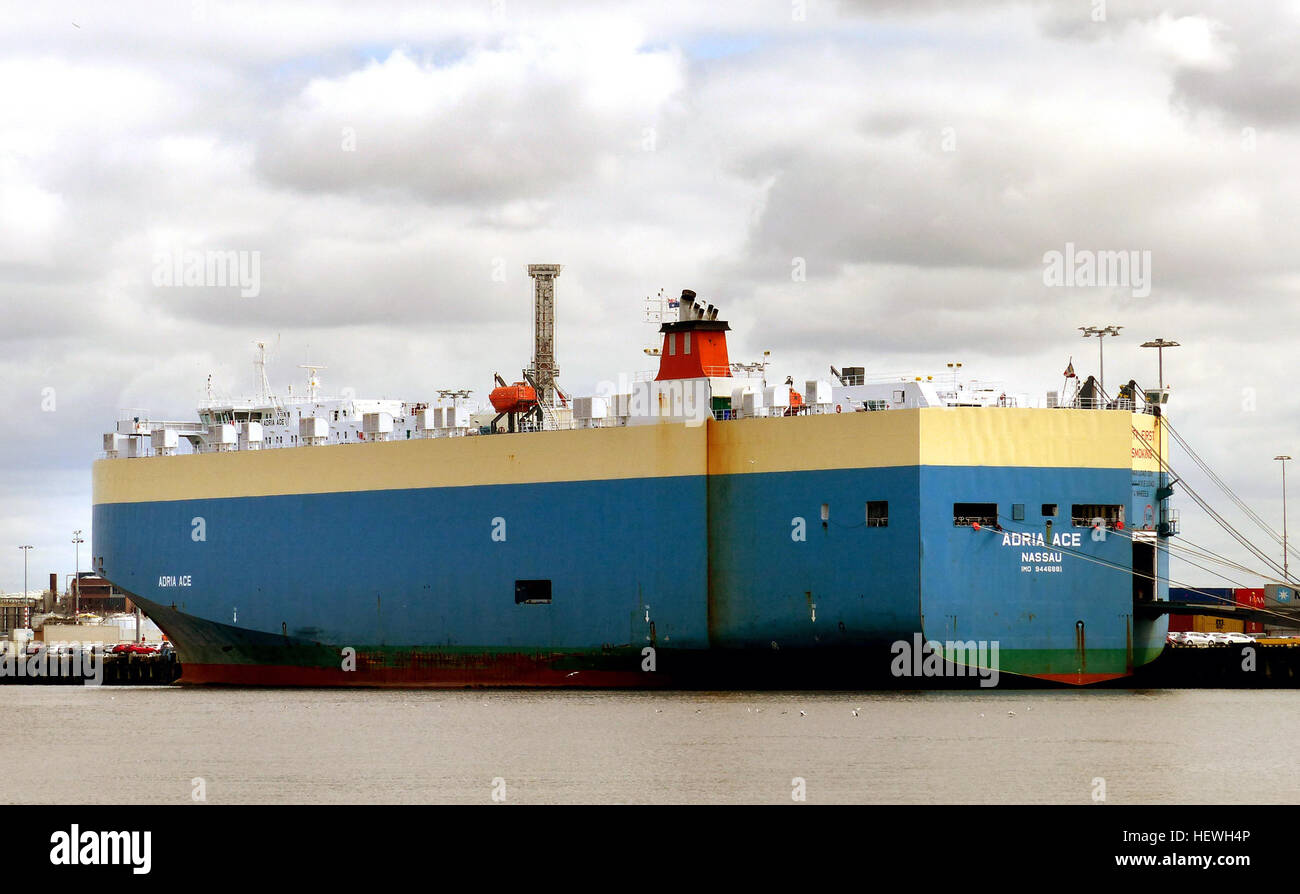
(1223, 486)
(1209, 510)
(1215, 515)
(1154, 578)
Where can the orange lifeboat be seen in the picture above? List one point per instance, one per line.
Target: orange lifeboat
(796, 401)
(516, 398)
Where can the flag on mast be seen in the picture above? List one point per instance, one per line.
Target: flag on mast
(1069, 369)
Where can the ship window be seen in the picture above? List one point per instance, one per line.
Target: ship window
(974, 513)
(687, 340)
(1082, 515)
(1017, 511)
(877, 513)
(532, 592)
(1049, 510)
(672, 344)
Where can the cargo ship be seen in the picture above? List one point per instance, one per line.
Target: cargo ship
(698, 525)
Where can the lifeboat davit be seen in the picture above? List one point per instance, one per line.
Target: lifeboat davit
(516, 398)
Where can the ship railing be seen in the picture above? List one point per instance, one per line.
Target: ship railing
(972, 520)
(728, 372)
(711, 371)
(725, 414)
(1110, 522)
(1102, 403)
(1169, 519)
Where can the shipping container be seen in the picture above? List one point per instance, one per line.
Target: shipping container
(1279, 595)
(1254, 598)
(1203, 595)
(1206, 624)
(1180, 623)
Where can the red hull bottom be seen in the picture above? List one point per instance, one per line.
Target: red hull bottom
(1079, 679)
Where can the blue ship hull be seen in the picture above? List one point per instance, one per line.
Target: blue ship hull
(655, 579)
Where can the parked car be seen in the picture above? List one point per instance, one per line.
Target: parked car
(133, 649)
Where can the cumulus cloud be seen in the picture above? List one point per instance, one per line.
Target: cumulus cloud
(507, 124)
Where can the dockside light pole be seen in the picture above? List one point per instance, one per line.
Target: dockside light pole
(1285, 572)
(26, 549)
(76, 579)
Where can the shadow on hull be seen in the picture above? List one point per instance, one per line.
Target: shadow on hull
(212, 653)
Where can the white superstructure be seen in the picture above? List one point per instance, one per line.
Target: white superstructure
(730, 391)
(269, 421)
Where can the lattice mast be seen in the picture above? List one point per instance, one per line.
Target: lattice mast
(544, 372)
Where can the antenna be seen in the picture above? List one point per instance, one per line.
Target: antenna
(259, 373)
(313, 382)
(659, 309)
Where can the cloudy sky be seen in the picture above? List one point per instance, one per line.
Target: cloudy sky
(396, 166)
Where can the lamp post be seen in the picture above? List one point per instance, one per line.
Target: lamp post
(1160, 344)
(76, 579)
(1285, 567)
(26, 549)
(1101, 332)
